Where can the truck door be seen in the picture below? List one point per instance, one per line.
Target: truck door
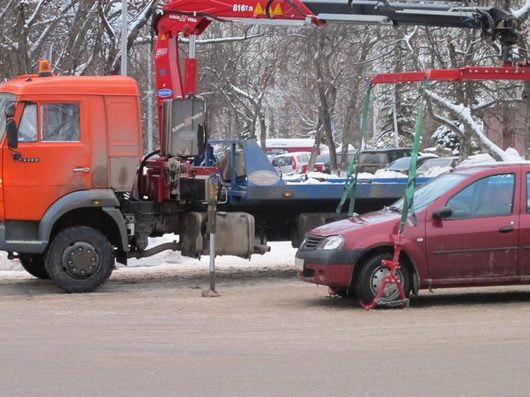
(480, 239)
(52, 158)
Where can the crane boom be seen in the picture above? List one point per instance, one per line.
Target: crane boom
(191, 17)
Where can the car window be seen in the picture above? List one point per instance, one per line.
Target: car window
(60, 122)
(281, 161)
(490, 196)
(27, 130)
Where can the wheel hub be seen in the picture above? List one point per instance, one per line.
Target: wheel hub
(391, 291)
(81, 260)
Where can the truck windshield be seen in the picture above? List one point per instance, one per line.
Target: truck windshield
(427, 193)
(5, 98)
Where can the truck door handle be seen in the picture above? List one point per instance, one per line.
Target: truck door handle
(506, 229)
(84, 170)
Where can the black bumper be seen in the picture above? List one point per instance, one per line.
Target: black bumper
(330, 257)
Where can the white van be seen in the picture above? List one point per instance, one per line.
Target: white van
(291, 162)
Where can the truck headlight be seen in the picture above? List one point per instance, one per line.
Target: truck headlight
(332, 243)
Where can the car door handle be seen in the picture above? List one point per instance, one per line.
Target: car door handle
(84, 170)
(506, 229)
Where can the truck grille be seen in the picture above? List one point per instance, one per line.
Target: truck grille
(312, 242)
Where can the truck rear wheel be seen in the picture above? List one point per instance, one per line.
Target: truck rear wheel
(34, 265)
(79, 259)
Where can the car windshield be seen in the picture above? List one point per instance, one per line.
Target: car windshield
(427, 193)
(439, 162)
(5, 98)
(400, 164)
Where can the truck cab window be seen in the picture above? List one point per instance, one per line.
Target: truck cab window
(5, 98)
(60, 122)
(27, 130)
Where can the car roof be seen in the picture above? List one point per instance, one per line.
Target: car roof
(473, 168)
(382, 150)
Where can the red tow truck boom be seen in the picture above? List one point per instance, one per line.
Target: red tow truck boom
(191, 17)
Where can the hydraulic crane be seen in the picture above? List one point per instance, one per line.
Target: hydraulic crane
(178, 107)
(191, 17)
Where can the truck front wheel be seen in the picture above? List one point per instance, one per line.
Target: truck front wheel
(34, 265)
(79, 259)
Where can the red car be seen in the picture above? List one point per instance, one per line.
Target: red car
(473, 229)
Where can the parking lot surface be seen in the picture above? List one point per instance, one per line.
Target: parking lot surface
(268, 334)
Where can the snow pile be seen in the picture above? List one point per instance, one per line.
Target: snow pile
(435, 171)
(281, 254)
(482, 158)
(387, 174)
(512, 155)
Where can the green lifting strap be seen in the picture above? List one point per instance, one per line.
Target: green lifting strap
(350, 187)
(408, 202)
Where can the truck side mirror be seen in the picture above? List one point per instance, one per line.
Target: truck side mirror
(12, 133)
(10, 110)
(442, 213)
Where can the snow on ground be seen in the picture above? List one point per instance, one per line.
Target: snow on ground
(281, 254)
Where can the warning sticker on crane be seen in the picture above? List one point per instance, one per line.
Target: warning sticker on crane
(276, 11)
(258, 10)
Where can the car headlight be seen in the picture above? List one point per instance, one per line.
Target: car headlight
(332, 243)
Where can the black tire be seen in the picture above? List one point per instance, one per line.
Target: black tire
(79, 259)
(347, 293)
(371, 275)
(34, 265)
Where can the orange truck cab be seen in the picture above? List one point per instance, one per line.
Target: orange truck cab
(75, 190)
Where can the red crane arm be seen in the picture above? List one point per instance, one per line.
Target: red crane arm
(190, 18)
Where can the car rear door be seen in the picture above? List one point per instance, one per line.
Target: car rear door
(480, 239)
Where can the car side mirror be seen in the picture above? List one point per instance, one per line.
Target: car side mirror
(12, 133)
(442, 213)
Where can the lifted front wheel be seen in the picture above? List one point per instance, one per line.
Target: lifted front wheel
(79, 259)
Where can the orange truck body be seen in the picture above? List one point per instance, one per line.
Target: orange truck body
(77, 194)
(106, 155)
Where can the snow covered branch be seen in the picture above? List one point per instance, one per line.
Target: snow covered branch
(463, 114)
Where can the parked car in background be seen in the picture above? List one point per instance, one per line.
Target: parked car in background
(323, 161)
(473, 229)
(402, 164)
(435, 166)
(291, 162)
(371, 160)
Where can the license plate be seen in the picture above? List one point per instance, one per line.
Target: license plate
(299, 264)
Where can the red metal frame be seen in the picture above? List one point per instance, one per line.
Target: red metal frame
(466, 73)
(192, 17)
(390, 279)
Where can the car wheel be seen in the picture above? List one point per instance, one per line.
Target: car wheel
(79, 259)
(34, 265)
(370, 278)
